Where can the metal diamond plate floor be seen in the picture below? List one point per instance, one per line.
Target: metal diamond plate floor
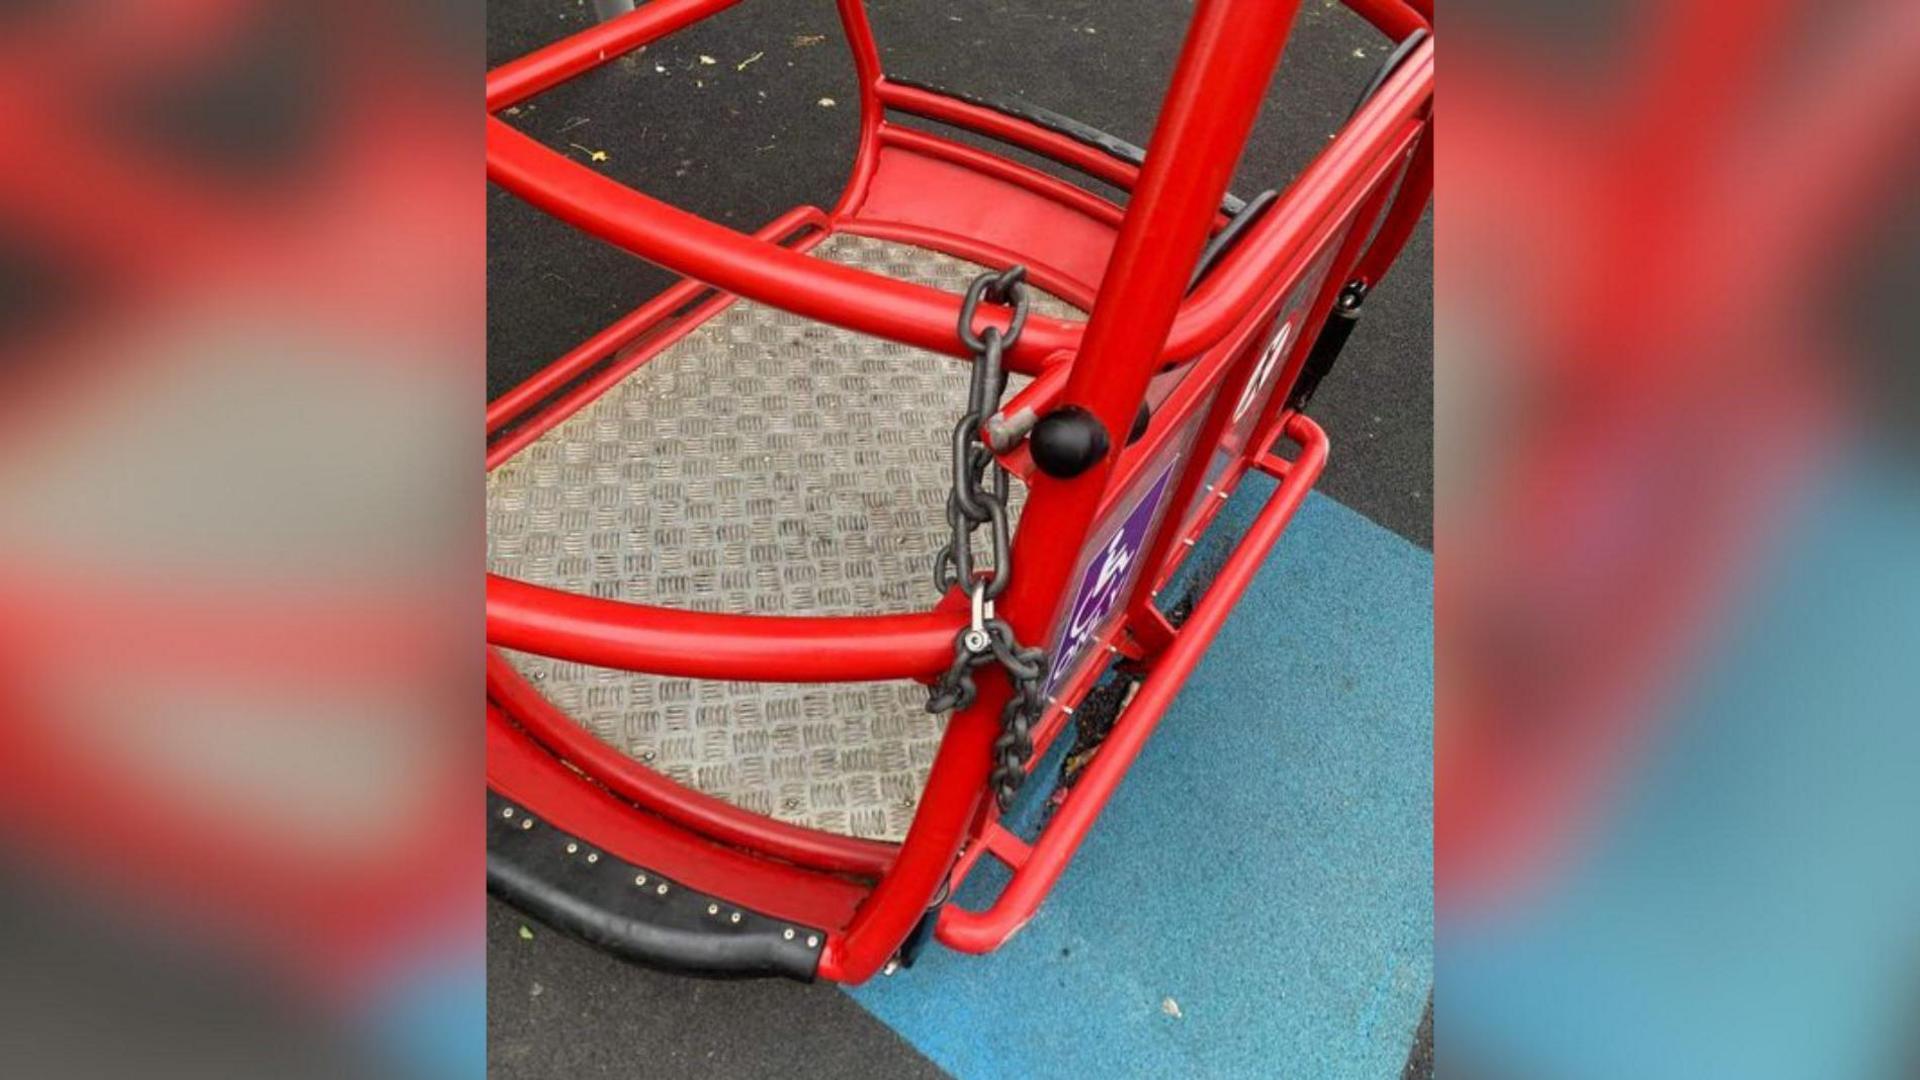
(763, 464)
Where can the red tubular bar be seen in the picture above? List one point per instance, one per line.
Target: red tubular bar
(1403, 215)
(621, 333)
(866, 70)
(689, 244)
(534, 425)
(703, 813)
(914, 314)
(976, 932)
(1010, 130)
(521, 770)
(702, 645)
(544, 69)
(1002, 169)
(1225, 64)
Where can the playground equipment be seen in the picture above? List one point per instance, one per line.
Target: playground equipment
(742, 539)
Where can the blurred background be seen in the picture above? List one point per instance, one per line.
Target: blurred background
(1678, 584)
(241, 324)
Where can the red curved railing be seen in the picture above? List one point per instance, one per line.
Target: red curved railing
(705, 645)
(629, 779)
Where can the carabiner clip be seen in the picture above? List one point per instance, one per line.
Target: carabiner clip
(977, 639)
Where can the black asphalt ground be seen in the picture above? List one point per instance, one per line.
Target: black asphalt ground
(729, 119)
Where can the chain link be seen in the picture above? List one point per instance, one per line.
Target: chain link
(979, 498)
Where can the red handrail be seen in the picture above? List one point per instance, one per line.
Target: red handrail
(915, 314)
(621, 333)
(705, 645)
(983, 931)
(517, 80)
(703, 813)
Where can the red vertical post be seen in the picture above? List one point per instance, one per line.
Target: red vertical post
(1218, 84)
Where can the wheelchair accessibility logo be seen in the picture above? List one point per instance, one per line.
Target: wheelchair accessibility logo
(1104, 584)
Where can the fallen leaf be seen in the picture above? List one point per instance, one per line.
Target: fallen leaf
(525, 934)
(742, 65)
(592, 155)
(1170, 1007)
(705, 59)
(827, 103)
(803, 41)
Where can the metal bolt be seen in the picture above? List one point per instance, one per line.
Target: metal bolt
(573, 849)
(787, 933)
(977, 641)
(507, 812)
(734, 918)
(813, 941)
(526, 823)
(593, 856)
(713, 909)
(662, 890)
(640, 879)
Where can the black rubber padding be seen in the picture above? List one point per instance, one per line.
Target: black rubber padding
(1387, 67)
(1224, 240)
(600, 901)
(1111, 145)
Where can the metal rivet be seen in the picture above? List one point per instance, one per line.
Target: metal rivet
(593, 856)
(813, 941)
(640, 879)
(507, 812)
(1188, 541)
(787, 933)
(1224, 495)
(526, 823)
(572, 848)
(734, 918)
(662, 890)
(713, 909)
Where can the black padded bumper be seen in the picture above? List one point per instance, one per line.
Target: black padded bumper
(631, 911)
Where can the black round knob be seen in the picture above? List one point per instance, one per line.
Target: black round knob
(1067, 442)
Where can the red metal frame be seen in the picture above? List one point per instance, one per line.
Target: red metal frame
(1346, 216)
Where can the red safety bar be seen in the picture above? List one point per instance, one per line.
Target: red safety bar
(1197, 355)
(1036, 867)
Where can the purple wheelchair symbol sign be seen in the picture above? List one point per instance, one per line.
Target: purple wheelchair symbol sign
(1105, 582)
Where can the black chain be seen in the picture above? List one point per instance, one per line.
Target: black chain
(979, 497)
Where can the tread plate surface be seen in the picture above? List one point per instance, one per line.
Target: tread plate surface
(762, 464)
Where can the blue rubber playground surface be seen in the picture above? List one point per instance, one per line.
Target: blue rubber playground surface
(1257, 899)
